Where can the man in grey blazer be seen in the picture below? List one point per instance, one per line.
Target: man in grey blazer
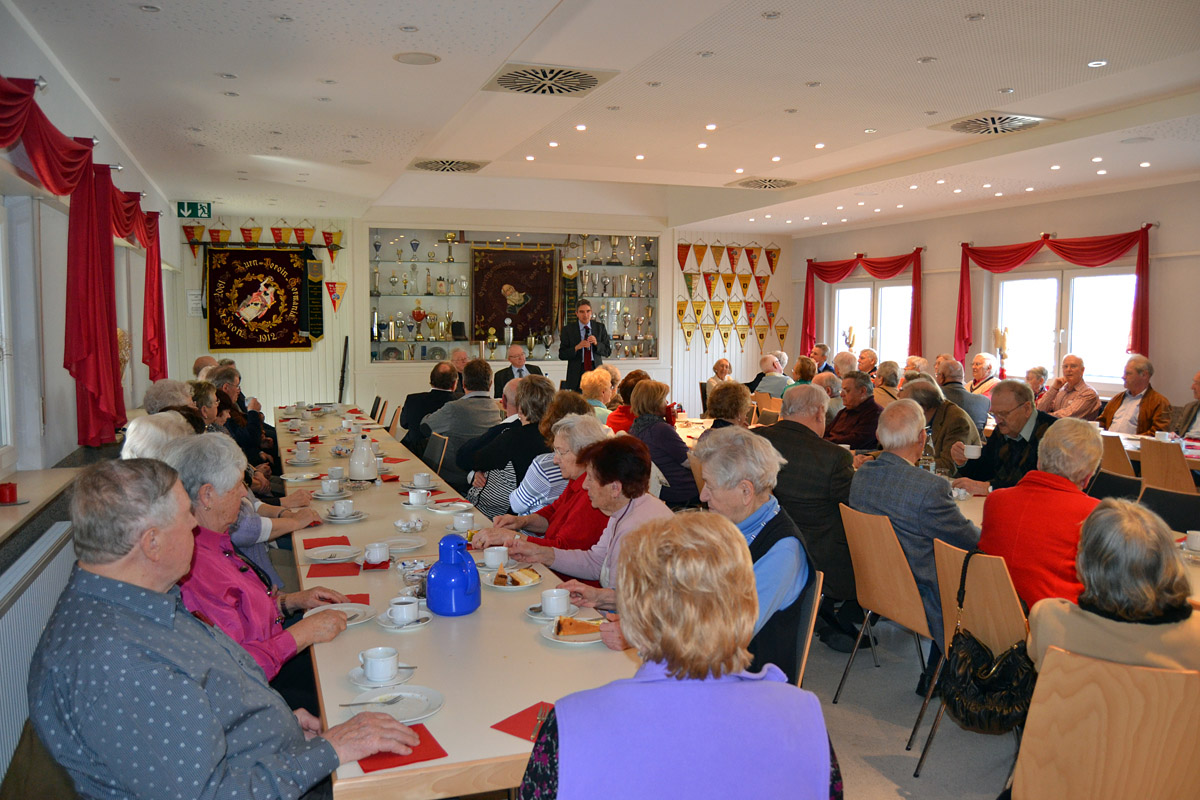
(919, 505)
(950, 375)
(462, 420)
(516, 369)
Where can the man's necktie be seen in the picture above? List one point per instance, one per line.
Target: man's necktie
(520, 372)
(587, 352)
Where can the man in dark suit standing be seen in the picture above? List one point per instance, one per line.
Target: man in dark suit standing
(814, 481)
(419, 405)
(584, 346)
(516, 370)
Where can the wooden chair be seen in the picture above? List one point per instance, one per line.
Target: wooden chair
(752, 414)
(1109, 484)
(1102, 731)
(809, 601)
(382, 413)
(884, 582)
(769, 410)
(1180, 510)
(992, 612)
(703, 397)
(394, 428)
(1164, 467)
(435, 451)
(760, 398)
(1114, 458)
(695, 467)
(375, 406)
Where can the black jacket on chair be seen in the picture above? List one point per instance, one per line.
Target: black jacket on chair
(416, 407)
(570, 337)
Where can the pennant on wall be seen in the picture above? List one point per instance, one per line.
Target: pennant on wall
(725, 329)
(250, 233)
(781, 329)
(337, 290)
(218, 235)
(734, 254)
(689, 280)
(701, 250)
(743, 330)
(681, 307)
(280, 234)
(333, 243)
(689, 328)
(751, 309)
(194, 235)
(727, 280)
(761, 282)
(744, 281)
(771, 307)
(698, 309)
(717, 251)
(710, 278)
(681, 254)
(735, 311)
(760, 330)
(718, 309)
(706, 331)
(752, 254)
(304, 235)
(772, 258)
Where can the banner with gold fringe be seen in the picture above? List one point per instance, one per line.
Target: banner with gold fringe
(727, 281)
(735, 311)
(744, 282)
(254, 300)
(689, 328)
(752, 254)
(681, 254)
(781, 329)
(725, 329)
(761, 282)
(718, 309)
(707, 329)
(681, 307)
(772, 258)
(743, 330)
(710, 279)
(771, 307)
(698, 307)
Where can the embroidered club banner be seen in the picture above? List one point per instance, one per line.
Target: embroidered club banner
(312, 316)
(698, 307)
(254, 300)
(513, 283)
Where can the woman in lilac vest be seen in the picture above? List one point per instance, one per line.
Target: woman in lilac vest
(691, 722)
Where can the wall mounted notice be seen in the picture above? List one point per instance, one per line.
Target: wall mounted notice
(195, 303)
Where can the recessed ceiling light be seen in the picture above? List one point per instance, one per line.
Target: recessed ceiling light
(351, 135)
(552, 144)
(347, 151)
(1029, 188)
(1144, 164)
(327, 81)
(787, 222)
(819, 145)
(300, 181)
(999, 194)
(1097, 160)
(409, 29)
(197, 144)
(1006, 90)
(767, 216)
(710, 127)
(613, 108)
(275, 133)
(926, 59)
(243, 172)
(770, 15)
(243, 179)
(774, 158)
(839, 208)
(1055, 166)
(843, 219)
(870, 130)
(416, 59)
(862, 202)
(231, 94)
(280, 148)
(702, 145)
(283, 18)
(654, 84)
(913, 186)
(529, 158)
(940, 181)
(878, 210)
(930, 113)
(706, 54)
(1101, 172)
(302, 174)
(640, 157)
(229, 76)
(958, 191)
(1098, 63)
(987, 186)
(824, 223)
(806, 219)
(739, 170)
(324, 99)
(752, 219)
(812, 84)
(790, 110)
(581, 127)
(901, 205)
(976, 16)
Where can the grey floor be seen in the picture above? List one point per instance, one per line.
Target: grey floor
(871, 722)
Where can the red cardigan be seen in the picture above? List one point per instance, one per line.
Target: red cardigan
(1035, 526)
(574, 523)
(620, 419)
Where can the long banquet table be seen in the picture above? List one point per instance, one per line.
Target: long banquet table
(488, 665)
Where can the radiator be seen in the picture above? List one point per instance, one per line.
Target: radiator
(28, 591)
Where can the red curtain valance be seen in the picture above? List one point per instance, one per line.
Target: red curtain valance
(98, 211)
(1090, 251)
(881, 268)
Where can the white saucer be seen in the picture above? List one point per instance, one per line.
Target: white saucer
(540, 617)
(342, 495)
(406, 544)
(414, 486)
(414, 507)
(306, 463)
(355, 612)
(416, 703)
(510, 565)
(357, 516)
(450, 508)
(300, 476)
(333, 554)
(586, 638)
(382, 621)
(358, 678)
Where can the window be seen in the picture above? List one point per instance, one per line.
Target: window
(8, 452)
(1050, 314)
(878, 313)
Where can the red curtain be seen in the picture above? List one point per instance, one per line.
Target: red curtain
(881, 268)
(1090, 251)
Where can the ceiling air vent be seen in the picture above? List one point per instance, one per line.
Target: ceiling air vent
(763, 183)
(447, 165)
(547, 79)
(992, 123)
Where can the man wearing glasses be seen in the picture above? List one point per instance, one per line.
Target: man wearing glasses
(1012, 449)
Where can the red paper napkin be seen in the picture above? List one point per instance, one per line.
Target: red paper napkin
(432, 492)
(427, 750)
(333, 570)
(325, 541)
(449, 500)
(383, 565)
(523, 723)
(355, 411)
(362, 599)
(393, 460)
(389, 478)
(364, 419)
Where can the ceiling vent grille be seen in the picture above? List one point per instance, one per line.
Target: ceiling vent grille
(763, 183)
(447, 165)
(991, 123)
(544, 79)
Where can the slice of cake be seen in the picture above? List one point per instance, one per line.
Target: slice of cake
(569, 626)
(525, 576)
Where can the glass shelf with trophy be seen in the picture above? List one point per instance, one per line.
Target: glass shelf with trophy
(422, 294)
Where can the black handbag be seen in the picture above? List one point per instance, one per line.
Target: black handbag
(983, 692)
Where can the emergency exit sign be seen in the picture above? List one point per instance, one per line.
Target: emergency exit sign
(190, 209)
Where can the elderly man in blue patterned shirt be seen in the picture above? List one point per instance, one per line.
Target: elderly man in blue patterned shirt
(136, 697)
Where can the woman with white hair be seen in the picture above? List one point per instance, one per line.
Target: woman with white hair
(740, 471)
(722, 371)
(596, 387)
(1034, 525)
(164, 393)
(146, 436)
(983, 372)
(1134, 605)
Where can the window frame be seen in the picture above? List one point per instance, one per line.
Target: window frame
(833, 336)
(8, 448)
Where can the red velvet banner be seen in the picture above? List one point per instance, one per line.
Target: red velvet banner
(881, 268)
(1089, 251)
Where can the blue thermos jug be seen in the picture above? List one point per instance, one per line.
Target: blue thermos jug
(453, 589)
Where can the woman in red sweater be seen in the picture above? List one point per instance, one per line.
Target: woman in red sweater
(622, 416)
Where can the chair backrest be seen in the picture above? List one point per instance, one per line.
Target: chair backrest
(768, 417)
(435, 451)
(1180, 510)
(394, 427)
(695, 466)
(991, 608)
(382, 412)
(760, 398)
(1114, 459)
(703, 397)
(882, 576)
(1100, 730)
(1164, 467)
(1109, 484)
(375, 405)
(752, 414)
(810, 601)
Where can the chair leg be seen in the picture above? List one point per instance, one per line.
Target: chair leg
(920, 652)
(871, 635)
(937, 673)
(853, 653)
(932, 731)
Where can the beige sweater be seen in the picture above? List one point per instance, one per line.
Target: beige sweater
(1061, 623)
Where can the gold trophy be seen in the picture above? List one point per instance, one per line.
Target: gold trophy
(491, 343)
(450, 237)
(435, 334)
(596, 252)
(613, 261)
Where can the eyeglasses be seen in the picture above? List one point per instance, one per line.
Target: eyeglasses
(1005, 414)
(563, 452)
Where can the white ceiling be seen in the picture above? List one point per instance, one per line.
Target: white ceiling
(277, 148)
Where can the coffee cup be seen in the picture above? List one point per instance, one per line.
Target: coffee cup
(337, 473)
(347, 424)
(376, 553)
(379, 663)
(306, 415)
(555, 602)
(418, 497)
(356, 428)
(422, 479)
(972, 451)
(331, 486)
(375, 447)
(402, 610)
(342, 508)
(1162, 436)
(379, 463)
(464, 520)
(494, 557)
(1193, 541)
